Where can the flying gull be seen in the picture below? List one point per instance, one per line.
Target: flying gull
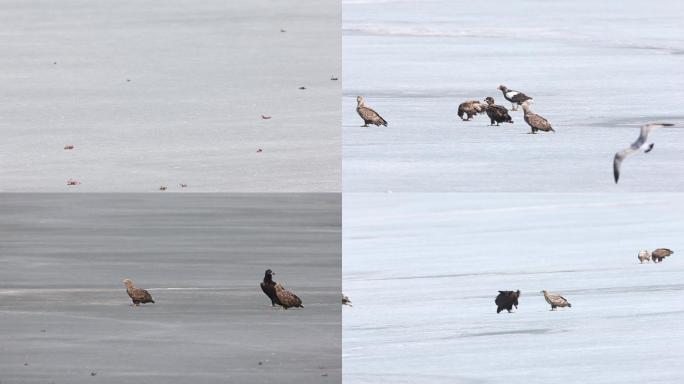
(636, 146)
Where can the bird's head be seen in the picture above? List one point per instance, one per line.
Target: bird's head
(489, 100)
(269, 273)
(359, 100)
(127, 282)
(502, 88)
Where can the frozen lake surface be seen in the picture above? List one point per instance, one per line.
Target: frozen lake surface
(165, 92)
(596, 71)
(423, 270)
(65, 313)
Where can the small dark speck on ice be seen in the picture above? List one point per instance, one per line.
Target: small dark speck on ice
(302, 87)
(261, 363)
(93, 373)
(259, 150)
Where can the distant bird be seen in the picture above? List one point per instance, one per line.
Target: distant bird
(555, 300)
(302, 88)
(73, 182)
(659, 254)
(286, 298)
(259, 150)
(163, 188)
(507, 300)
(368, 115)
(68, 147)
(333, 78)
(268, 286)
(536, 122)
(470, 108)
(644, 255)
(346, 301)
(516, 98)
(636, 146)
(497, 113)
(183, 185)
(138, 295)
(265, 117)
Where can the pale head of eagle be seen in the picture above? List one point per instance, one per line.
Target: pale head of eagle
(359, 101)
(128, 283)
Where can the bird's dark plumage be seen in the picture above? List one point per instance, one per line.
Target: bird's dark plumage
(507, 300)
(497, 114)
(268, 286)
(659, 254)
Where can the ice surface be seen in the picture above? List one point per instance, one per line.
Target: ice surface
(65, 314)
(423, 270)
(596, 71)
(165, 92)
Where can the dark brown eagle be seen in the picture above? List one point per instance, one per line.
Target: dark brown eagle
(659, 254)
(497, 113)
(287, 299)
(268, 286)
(368, 115)
(507, 300)
(345, 300)
(138, 295)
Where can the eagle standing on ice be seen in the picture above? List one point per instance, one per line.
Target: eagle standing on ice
(268, 286)
(515, 97)
(286, 298)
(138, 295)
(368, 115)
(555, 300)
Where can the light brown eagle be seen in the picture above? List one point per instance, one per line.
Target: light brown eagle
(536, 122)
(287, 299)
(138, 295)
(470, 108)
(555, 300)
(368, 115)
(644, 255)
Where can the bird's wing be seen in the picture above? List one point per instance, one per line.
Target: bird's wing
(288, 298)
(617, 161)
(538, 121)
(368, 113)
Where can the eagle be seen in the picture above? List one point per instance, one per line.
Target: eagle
(497, 114)
(138, 295)
(536, 122)
(659, 254)
(555, 300)
(268, 286)
(287, 299)
(515, 97)
(507, 300)
(470, 108)
(346, 301)
(644, 255)
(368, 115)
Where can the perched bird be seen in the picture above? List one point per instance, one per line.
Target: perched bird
(73, 182)
(644, 255)
(497, 114)
(516, 98)
(470, 108)
(138, 295)
(555, 300)
(507, 300)
(287, 299)
(636, 146)
(68, 147)
(265, 117)
(346, 301)
(268, 286)
(163, 188)
(536, 122)
(368, 115)
(659, 254)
